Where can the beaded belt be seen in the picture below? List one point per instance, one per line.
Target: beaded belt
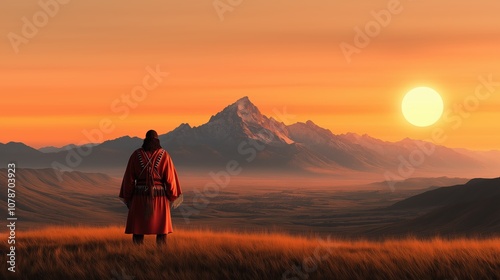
(144, 190)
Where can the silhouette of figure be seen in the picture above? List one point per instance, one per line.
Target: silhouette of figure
(149, 184)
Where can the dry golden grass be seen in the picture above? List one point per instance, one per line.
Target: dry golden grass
(107, 253)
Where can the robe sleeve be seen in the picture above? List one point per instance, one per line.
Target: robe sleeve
(172, 184)
(128, 183)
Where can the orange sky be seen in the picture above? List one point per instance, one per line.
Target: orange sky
(65, 79)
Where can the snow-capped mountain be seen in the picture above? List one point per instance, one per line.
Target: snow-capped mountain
(240, 132)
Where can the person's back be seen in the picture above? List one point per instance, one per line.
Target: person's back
(149, 184)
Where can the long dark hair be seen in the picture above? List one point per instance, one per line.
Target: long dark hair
(151, 142)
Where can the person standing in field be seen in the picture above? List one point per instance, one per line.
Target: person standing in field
(149, 184)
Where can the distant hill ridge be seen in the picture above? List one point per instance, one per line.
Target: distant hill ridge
(471, 209)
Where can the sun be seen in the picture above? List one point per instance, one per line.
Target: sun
(422, 106)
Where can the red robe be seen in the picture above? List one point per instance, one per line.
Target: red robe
(144, 170)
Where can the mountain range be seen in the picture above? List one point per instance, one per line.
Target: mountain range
(241, 133)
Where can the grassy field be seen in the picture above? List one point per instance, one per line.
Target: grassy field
(107, 253)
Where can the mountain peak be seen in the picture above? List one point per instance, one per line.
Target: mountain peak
(16, 147)
(247, 111)
(311, 124)
(243, 119)
(243, 108)
(316, 128)
(243, 100)
(182, 127)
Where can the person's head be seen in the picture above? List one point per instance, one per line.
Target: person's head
(151, 142)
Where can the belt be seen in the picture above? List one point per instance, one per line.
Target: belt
(144, 190)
